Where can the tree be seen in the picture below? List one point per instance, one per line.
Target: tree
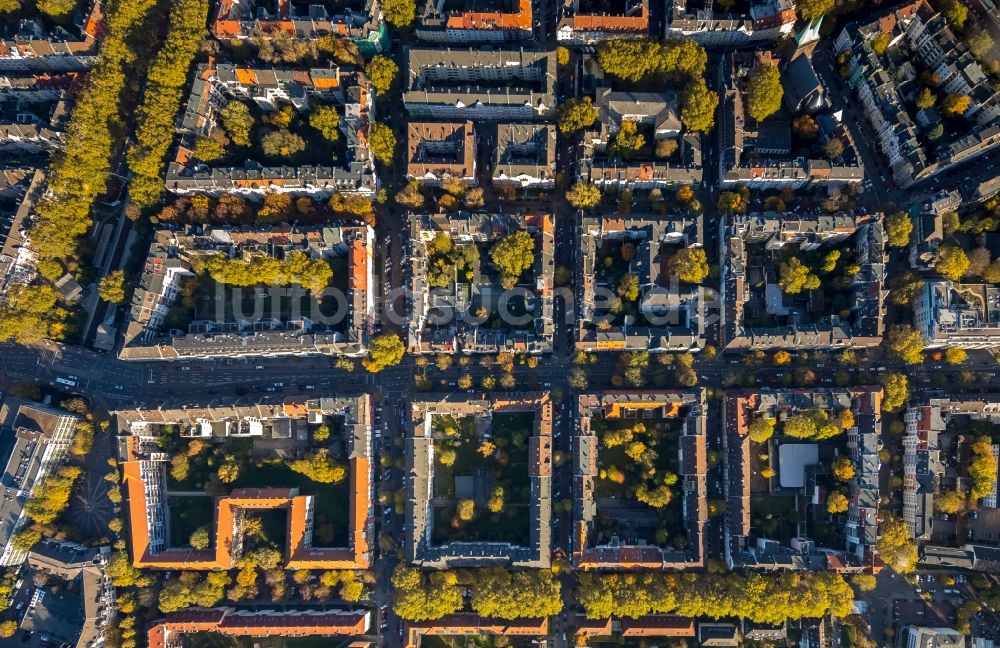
(200, 539)
(955, 355)
(503, 594)
(424, 597)
(10, 6)
(843, 468)
(496, 502)
(111, 287)
(584, 195)
(282, 143)
(880, 43)
(512, 255)
(895, 545)
(466, 509)
(399, 13)
(386, 350)
(805, 127)
(952, 262)
(382, 72)
(794, 277)
(949, 501)
(320, 467)
(58, 10)
(813, 10)
(628, 287)
(576, 114)
(898, 228)
(207, 149)
(237, 121)
(896, 391)
(382, 142)
(326, 120)
(982, 468)
(411, 196)
(732, 202)
(684, 194)
(666, 147)
(956, 104)
(761, 429)
(689, 265)
(764, 91)
(833, 148)
(229, 471)
(627, 141)
(955, 11)
(935, 132)
(782, 358)
(926, 99)
(562, 55)
(905, 343)
(698, 106)
(836, 502)
(979, 42)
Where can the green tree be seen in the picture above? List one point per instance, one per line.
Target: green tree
(238, 122)
(732, 202)
(955, 355)
(949, 501)
(207, 149)
(698, 106)
(200, 539)
(282, 143)
(382, 72)
(424, 597)
(689, 265)
(898, 228)
(58, 10)
(627, 141)
(111, 287)
(843, 468)
(836, 502)
(926, 99)
(905, 343)
(501, 594)
(954, 10)
(979, 42)
(895, 545)
(812, 10)
(880, 43)
(229, 471)
(952, 262)
(399, 13)
(326, 120)
(382, 142)
(982, 468)
(584, 195)
(10, 6)
(956, 104)
(576, 114)
(512, 255)
(165, 84)
(794, 277)
(320, 467)
(864, 582)
(896, 391)
(764, 91)
(386, 350)
(761, 429)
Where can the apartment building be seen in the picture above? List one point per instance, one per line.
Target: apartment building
(952, 314)
(508, 21)
(658, 115)
(925, 637)
(760, 155)
(621, 552)
(672, 314)
(924, 469)
(464, 624)
(360, 21)
(887, 85)
(440, 317)
(17, 260)
(536, 549)
(39, 440)
(85, 570)
(169, 631)
(769, 20)
(502, 85)
(32, 47)
(525, 155)
(580, 24)
(749, 241)
(227, 331)
(346, 88)
(438, 151)
(145, 469)
(861, 442)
